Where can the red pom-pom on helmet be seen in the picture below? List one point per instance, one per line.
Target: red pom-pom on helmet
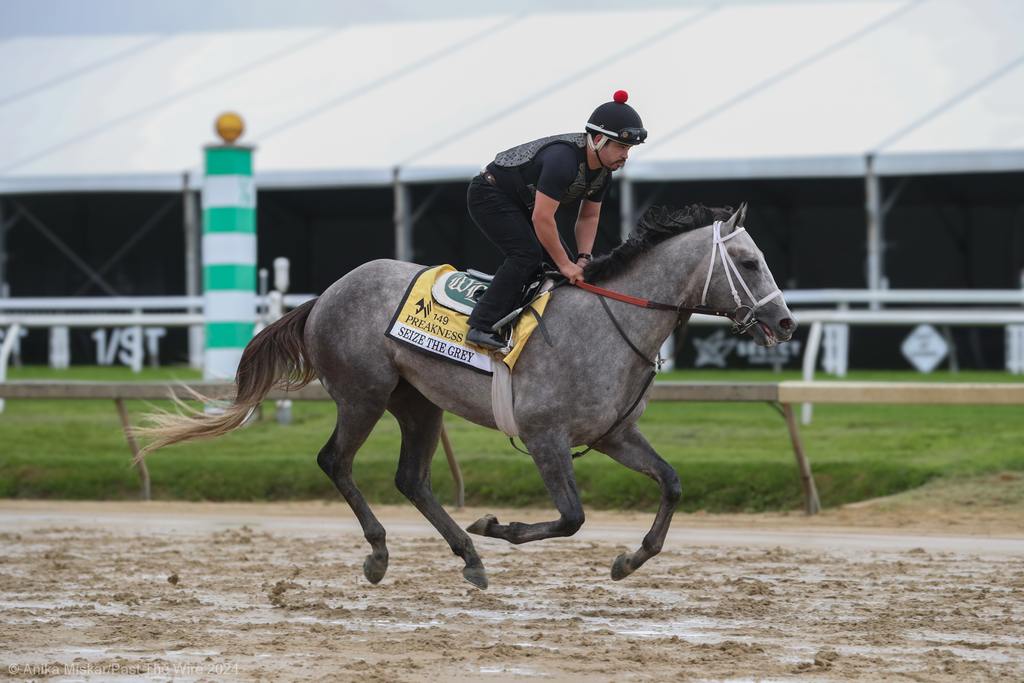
(620, 96)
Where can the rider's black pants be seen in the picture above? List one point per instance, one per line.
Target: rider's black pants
(505, 222)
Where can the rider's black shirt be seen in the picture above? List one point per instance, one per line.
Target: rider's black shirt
(559, 170)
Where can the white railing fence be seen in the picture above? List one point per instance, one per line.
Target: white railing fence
(126, 329)
(139, 322)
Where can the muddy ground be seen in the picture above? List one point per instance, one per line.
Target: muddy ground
(158, 591)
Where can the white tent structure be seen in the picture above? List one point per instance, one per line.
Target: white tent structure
(856, 88)
(733, 90)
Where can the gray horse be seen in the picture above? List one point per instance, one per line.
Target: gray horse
(570, 393)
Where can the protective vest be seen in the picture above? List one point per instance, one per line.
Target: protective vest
(512, 161)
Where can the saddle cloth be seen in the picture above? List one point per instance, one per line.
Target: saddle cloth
(434, 317)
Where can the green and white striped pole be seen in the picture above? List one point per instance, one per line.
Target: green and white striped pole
(229, 250)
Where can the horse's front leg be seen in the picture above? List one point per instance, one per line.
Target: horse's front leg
(554, 461)
(630, 448)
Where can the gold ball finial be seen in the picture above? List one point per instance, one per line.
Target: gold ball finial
(229, 126)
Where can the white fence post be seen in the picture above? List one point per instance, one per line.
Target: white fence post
(835, 359)
(275, 310)
(60, 347)
(810, 360)
(153, 337)
(13, 332)
(667, 352)
(1015, 349)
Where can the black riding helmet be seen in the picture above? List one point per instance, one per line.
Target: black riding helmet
(616, 121)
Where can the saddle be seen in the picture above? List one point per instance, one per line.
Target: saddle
(461, 290)
(433, 317)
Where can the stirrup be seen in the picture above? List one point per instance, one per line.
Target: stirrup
(485, 339)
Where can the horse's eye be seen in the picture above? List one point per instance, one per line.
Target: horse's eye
(749, 264)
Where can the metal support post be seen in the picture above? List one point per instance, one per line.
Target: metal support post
(403, 220)
(3, 252)
(876, 229)
(193, 269)
(627, 211)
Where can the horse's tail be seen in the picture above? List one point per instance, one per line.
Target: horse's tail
(276, 357)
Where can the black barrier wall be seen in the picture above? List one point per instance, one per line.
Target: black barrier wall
(944, 231)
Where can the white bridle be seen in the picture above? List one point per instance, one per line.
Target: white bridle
(746, 321)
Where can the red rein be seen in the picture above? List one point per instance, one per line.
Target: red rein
(601, 291)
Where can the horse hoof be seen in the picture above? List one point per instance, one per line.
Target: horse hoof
(621, 567)
(374, 568)
(480, 526)
(476, 576)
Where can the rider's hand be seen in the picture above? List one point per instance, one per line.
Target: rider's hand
(572, 272)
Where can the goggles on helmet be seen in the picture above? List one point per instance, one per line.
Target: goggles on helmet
(627, 136)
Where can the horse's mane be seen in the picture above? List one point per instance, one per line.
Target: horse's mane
(656, 225)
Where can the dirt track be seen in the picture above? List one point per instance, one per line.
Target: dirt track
(108, 590)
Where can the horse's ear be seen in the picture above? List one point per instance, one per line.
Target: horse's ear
(736, 220)
(741, 215)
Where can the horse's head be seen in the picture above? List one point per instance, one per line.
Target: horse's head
(741, 280)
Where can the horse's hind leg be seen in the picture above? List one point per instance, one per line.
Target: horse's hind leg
(420, 422)
(355, 422)
(554, 461)
(630, 448)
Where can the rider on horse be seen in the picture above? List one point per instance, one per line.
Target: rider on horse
(513, 201)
